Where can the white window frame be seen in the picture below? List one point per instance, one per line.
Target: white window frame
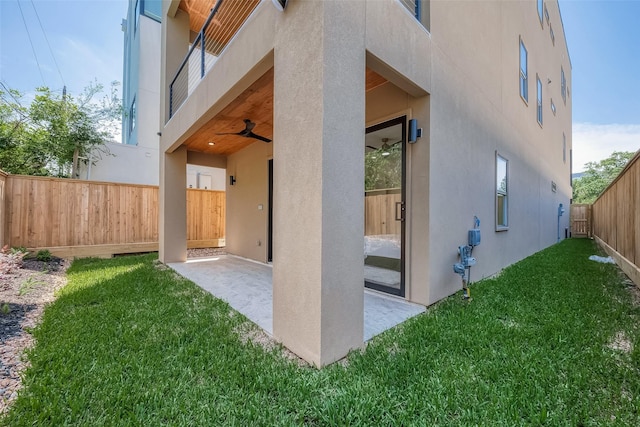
(524, 74)
(538, 100)
(502, 192)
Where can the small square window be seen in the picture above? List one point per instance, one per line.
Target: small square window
(502, 193)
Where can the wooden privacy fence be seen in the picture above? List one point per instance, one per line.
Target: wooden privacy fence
(85, 218)
(616, 219)
(380, 212)
(580, 220)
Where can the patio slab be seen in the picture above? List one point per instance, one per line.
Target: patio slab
(247, 286)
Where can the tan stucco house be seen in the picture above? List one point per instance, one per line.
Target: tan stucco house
(349, 193)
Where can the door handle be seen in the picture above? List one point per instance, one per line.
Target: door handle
(400, 212)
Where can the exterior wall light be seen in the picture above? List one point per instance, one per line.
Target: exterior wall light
(414, 131)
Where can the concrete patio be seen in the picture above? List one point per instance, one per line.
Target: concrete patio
(247, 287)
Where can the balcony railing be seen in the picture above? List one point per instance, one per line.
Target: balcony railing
(221, 25)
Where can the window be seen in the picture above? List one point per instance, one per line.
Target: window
(540, 7)
(152, 9)
(553, 36)
(553, 108)
(539, 99)
(563, 85)
(132, 116)
(136, 17)
(564, 148)
(524, 78)
(502, 189)
(546, 13)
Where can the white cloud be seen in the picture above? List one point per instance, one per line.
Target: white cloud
(592, 142)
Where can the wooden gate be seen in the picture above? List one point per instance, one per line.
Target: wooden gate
(581, 220)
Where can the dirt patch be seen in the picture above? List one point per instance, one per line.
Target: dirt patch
(621, 343)
(205, 252)
(24, 292)
(248, 332)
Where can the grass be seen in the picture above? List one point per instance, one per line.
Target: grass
(554, 340)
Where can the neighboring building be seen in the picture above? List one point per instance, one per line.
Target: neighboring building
(135, 161)
(337, 86)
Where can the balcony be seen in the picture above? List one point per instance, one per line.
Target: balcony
(215, 27)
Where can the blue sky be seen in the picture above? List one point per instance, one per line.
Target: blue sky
(86, 39)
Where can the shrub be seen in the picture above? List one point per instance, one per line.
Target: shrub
(43, 255)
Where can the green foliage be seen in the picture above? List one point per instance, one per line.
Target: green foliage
(598, 176)
(43, 255)
(28, 285)
(5, 309)
(383, 171)
(50, 135)
(552, 341)
(18, 249)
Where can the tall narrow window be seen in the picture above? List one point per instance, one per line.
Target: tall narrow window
(502, 190)
(524, 78)
(132, 116)
(539, 99)
(136, 17)
(563, 85)
(540, 9)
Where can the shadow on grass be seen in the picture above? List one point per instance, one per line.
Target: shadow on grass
(129, 342)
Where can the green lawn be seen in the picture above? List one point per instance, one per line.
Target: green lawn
(545, 343)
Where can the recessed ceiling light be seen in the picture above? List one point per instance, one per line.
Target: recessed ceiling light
(212, 143)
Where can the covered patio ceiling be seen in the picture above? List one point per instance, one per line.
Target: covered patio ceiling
(255, 104)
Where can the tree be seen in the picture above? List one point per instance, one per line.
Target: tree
(598, 176)
(383, 168)
(49, 136)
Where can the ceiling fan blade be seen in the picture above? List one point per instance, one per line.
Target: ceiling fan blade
(229, 133)
(372, 147)
(259, 137)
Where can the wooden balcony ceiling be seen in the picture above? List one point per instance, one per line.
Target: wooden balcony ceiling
(229, 18)
(255, 104)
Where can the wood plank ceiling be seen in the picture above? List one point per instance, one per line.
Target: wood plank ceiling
(255, 104)
(230, 16)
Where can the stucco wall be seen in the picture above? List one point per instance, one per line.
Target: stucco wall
(246, 223)
(476, 110)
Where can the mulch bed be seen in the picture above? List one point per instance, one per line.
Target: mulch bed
(24, 292)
